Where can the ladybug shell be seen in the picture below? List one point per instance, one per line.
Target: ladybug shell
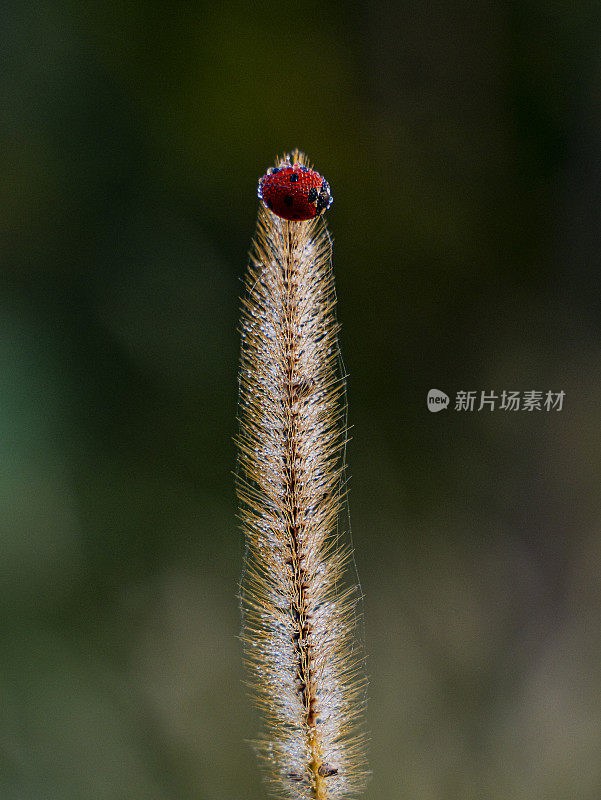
(294, 192)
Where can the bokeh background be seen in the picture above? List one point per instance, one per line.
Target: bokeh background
(462, 142)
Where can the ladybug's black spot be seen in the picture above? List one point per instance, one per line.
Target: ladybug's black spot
(312, 194)
(294, 177)
(289, 200)
(325, 198)
(323, 201)
(269, 205)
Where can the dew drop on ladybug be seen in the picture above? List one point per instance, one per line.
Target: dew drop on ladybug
(294, 192)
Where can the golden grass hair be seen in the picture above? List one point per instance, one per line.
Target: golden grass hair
(299, 607)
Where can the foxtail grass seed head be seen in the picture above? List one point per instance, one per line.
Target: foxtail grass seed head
(299, 605)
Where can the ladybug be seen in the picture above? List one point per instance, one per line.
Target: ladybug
(294, 192)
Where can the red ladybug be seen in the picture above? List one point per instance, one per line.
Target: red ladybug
(294, 192)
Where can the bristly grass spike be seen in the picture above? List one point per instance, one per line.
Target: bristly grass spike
(299, 603)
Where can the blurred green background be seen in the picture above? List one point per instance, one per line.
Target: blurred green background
(462, 142)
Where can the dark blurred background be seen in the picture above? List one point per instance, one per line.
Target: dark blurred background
(462, 143)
